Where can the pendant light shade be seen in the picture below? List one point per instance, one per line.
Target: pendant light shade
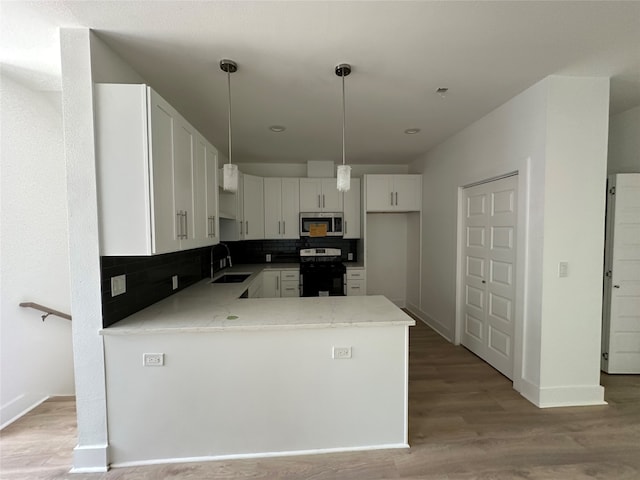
(229, 170)
(344, 170)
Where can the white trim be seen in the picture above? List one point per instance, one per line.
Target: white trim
(18, 407)
(406, 385)
(492, 179)
(90, 459)
(241, 456)
(565, 396)
(429, 321)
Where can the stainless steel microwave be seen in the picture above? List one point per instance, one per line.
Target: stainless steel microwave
(321, 224)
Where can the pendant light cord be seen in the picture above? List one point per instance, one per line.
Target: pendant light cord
(344, 120)
(229, 89)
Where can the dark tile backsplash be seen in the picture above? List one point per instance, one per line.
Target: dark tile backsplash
(149, 278)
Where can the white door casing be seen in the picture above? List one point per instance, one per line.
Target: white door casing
(489, 261)
(621, 306)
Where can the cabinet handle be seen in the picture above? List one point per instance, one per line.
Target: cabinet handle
(392, 199)
(213, 225)
(345, 227)
(179, 226)
(284, 227)
(396, 199)
(277, 283)
(241, 227)
(246, 230)
(318, 201)
(279, 232)
(186, 226)
(323, 205)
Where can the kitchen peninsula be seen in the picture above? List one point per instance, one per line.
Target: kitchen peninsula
(238, 377)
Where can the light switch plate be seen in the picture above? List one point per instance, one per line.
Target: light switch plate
(118, 285)
(563, 269)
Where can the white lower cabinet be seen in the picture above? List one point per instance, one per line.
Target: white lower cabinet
(290, 283)
(280, 283)
(256, 289)
(356, 281)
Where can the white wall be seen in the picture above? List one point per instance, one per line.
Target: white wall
(35, 357)
(559, 125)
(624, 142)
(386, 238)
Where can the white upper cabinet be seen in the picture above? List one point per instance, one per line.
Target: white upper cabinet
(352, 212)
(393, 193)
(281, 208)
(253, 207)
(320, 195)
(205, 193)
(145, 167)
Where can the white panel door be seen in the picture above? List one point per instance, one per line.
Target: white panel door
(621, 336)
(489, 260)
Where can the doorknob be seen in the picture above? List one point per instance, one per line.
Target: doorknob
(616, 286)
(484, 281)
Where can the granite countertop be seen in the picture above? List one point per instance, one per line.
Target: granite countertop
(206, 307)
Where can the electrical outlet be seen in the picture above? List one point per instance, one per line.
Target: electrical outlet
(174, 282)
(153, 359)
(268, 257)
(341, 353)
(118, 285)
(349, 256)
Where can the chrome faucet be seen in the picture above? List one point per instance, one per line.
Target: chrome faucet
(228, 254)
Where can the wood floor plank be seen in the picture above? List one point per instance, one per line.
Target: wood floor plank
(465, 423)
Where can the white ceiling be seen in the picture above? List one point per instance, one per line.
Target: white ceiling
(401, 52)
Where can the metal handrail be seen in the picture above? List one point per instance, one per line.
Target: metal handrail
(47, 311)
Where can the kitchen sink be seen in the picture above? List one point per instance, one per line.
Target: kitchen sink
(232, 278)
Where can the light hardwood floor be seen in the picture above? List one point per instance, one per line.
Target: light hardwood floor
(465, 422)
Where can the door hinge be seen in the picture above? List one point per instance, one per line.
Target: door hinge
(612, 190)
(605, 355)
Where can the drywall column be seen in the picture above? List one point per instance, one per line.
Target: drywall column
(574, 210)
(91, 453)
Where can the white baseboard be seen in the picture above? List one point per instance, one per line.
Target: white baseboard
(568, 396)
(241, 456)
(432, 323)
(90, 459)
(18, 407)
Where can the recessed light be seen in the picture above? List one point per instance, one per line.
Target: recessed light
(277, 128)
(412, 131)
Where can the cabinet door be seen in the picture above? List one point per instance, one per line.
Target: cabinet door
(379, 193)
(310, 195)
(272, 208)
(211, 176)
(352, 210)
(253, 207)
(270, 284)
(199, 224)
(407, 192)
(290, 208)
(183, 145)
(331, 196)
(164, 219)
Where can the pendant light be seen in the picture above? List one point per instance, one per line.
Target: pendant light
(344, 171)
(229, 170)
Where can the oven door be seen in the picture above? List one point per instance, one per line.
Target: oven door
(322, 281)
